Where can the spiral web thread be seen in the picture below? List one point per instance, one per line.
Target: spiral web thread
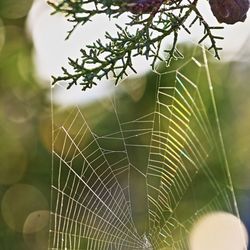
(143, 184)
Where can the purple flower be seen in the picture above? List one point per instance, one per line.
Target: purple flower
(229, 11)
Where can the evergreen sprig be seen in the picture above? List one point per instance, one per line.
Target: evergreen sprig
(115, 57)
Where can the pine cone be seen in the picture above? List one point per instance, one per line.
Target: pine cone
(229, 11)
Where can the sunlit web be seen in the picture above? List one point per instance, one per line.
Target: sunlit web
(138, 176)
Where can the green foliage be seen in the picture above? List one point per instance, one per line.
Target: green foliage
(143, 35)
(24, 112)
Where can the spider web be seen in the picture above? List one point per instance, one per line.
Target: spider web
(138, 177)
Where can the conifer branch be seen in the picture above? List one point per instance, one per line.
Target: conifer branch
(114, 57)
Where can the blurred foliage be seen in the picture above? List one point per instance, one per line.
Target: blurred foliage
(24, 160)
(25, 129)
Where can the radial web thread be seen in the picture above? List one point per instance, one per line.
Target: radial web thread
(139, 179)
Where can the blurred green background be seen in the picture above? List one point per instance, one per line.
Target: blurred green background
(25, 131)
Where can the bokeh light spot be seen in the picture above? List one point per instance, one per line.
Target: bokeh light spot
(36, 221)
(13, 160)
(13, 9)
(219, 231)
(35, 230)
(18, 202)
(2, 35)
